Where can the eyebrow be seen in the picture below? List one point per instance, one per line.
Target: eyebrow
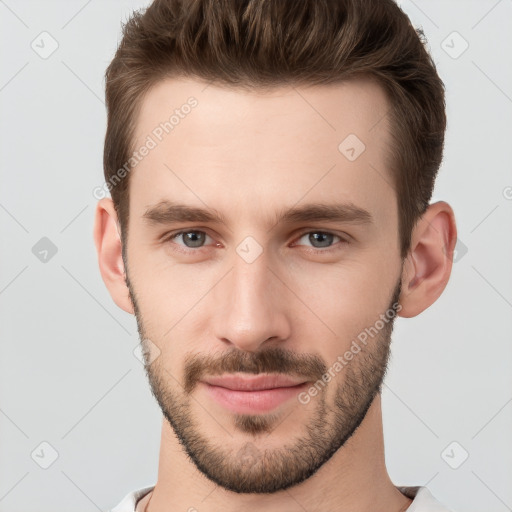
(168, 212)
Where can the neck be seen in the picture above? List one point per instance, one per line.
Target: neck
(354, 479)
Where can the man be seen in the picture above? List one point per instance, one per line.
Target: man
(271, 165)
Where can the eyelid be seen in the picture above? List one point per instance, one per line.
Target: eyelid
(344, 236)
(175, 234)
(344, 239)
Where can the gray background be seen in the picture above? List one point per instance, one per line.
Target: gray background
(68, 374)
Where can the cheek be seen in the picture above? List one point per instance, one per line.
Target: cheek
(163, 288)
(165, 302)
(339, 302)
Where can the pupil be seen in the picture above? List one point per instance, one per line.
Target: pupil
(315, 238)
(195, 238)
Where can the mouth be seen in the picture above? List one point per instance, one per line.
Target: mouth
(252, 394)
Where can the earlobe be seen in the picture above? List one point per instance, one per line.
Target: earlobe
(428, 265)
(107, 240)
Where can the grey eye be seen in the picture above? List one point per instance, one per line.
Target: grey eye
(320, 239)
(192, 239)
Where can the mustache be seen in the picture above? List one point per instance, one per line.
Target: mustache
(272, 360)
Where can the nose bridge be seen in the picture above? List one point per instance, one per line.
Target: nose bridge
(251, 303)
(251, 282)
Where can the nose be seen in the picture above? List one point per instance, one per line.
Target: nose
(252, 304)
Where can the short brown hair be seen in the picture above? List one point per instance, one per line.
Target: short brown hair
(266, 43)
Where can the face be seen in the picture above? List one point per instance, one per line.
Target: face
(263, 242)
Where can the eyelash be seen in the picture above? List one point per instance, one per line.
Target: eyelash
(188, 250)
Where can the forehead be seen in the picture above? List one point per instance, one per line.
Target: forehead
(355, 106)
(268, 147)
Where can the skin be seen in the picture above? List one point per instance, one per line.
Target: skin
(251, 155)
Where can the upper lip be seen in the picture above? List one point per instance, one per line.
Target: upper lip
(253, 383)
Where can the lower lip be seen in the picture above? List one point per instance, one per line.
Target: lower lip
(250, 402)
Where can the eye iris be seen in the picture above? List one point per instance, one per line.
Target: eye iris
(314, 237)
(195, 237)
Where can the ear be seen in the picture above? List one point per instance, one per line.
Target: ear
(108, 245)
(429, 262)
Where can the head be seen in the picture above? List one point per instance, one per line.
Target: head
(278, 218)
